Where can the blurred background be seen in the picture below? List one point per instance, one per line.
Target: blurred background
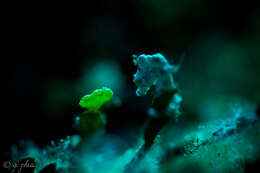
(57, 53)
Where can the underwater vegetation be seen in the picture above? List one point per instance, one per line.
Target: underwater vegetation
(93, 120)
(166, 144)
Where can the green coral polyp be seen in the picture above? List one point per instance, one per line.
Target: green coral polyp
(96, 99)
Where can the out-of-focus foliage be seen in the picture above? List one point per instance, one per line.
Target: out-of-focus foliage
(101, 73)
(90, 123)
